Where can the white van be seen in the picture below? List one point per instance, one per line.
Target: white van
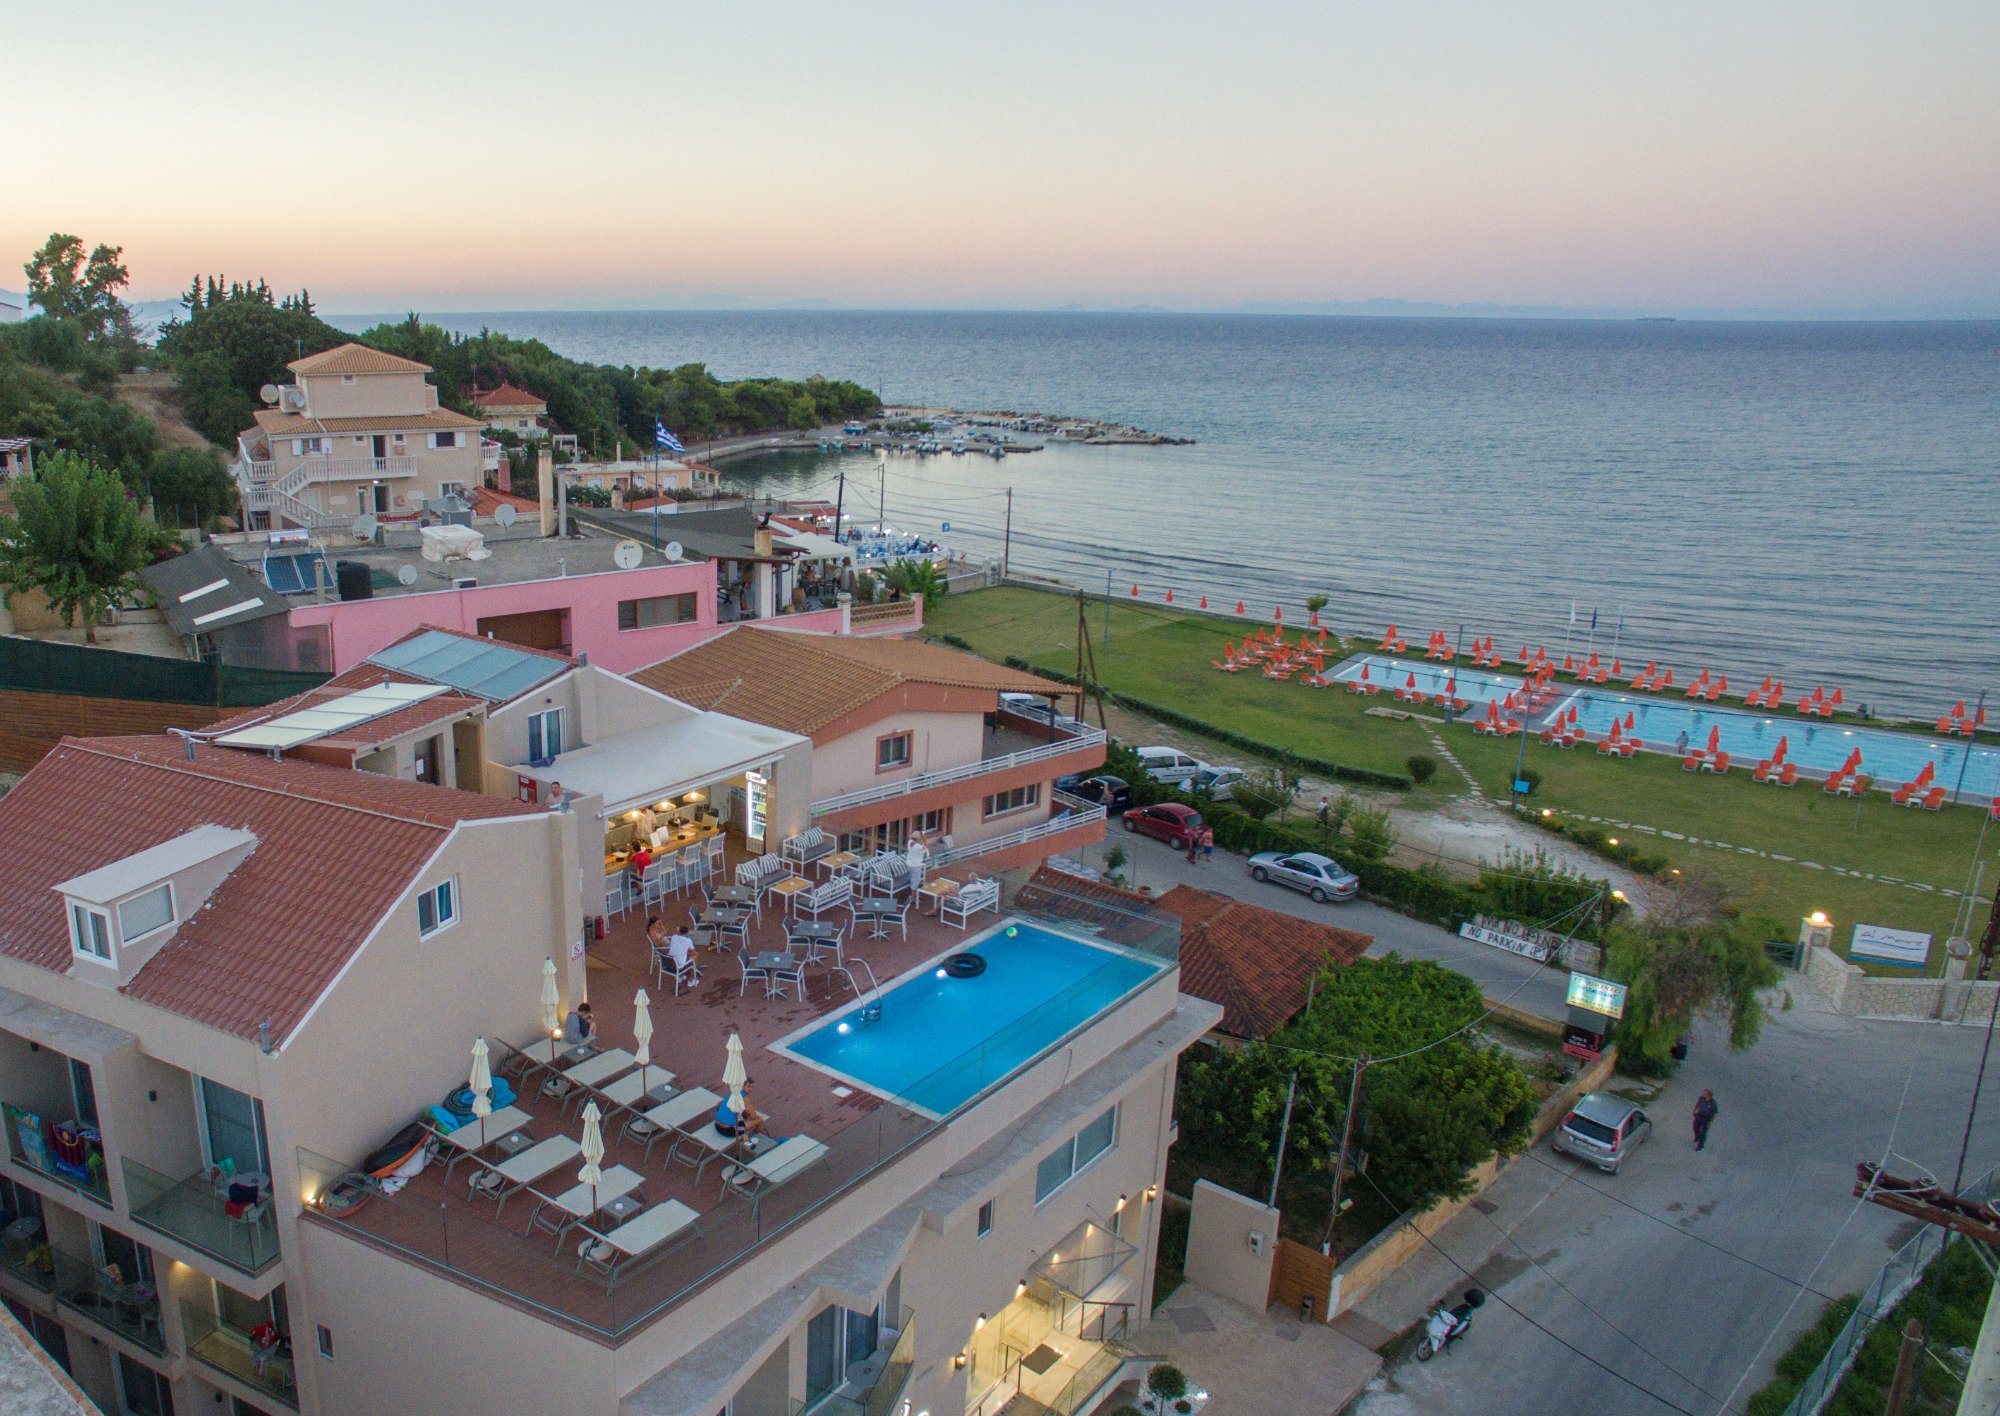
(1169, 765)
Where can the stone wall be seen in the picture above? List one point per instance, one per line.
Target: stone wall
(1842, 987)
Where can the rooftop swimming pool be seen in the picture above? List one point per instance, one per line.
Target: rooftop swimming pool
(1890, 758)
(1474, 686)
(938, 1040)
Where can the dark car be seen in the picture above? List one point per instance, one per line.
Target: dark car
(1113, 793)
(1168, 821)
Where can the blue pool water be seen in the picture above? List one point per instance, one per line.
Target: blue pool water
(1890, 758)
(941, 1041)
(1474, 686)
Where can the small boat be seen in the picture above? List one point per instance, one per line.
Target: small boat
(996, 451)
(958, 448)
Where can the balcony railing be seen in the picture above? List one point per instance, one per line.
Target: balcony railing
(67, 1152)
(985, 766)
(196, 1211)
(872, 1387)
(1073, 812)
(28, 1257)
(221, 1348)
(127, 1307)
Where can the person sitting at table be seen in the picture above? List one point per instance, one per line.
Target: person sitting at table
(579, 1027)
(751, 1121)
(680, 948)
(641, 858)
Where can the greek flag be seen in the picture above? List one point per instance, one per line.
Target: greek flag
(665, 440)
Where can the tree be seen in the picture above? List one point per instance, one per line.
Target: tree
(1371, 835)
(236, 338)
(915, 577)
(804, 416)
(69, 285)
(1674, 974)
(1317, 601)
(189, 484)
(77, 537)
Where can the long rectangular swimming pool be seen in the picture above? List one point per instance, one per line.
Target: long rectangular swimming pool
(1890, 758)
(939, 1040)
(1474, 686)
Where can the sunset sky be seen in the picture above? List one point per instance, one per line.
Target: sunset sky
(1809, 157)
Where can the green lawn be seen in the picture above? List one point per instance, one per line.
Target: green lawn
(1164, 656)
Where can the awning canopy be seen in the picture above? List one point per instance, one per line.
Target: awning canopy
(648, 766)
(813, 546)
(1088, 1257)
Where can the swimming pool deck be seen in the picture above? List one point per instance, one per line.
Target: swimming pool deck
(436, 1224)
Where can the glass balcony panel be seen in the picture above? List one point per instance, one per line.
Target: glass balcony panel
(222, 1348)
(209, 1213)
(68, 1152)
(128, 1307)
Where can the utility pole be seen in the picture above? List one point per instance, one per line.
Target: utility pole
(1107, 609)
(1520, 763)
(882, 496)
(1346, 1140)
(839, 500)
(1966, 761)
(1906, 1368)
(1284, 1131)
(1007, 534)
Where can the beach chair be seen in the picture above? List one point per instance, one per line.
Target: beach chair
(497, 1182)
(1861, 784)
(1719, 764)
(670, 1117)
(1692, 762)
(611, 1251)
(1762, 771)
(756, 1178)
(1628, 747)
(1902, 795)
(1833, 783)
(1788, 775)
(629, 1092)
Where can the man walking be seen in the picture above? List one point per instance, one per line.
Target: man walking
(1704, 1116)
(1325, 813)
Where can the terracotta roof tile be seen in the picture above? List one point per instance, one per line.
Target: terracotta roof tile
(336, 848)
(1257, 963)
(509, 396)
(352, 358)
(365, 735)
(806, 682)
(273, 423)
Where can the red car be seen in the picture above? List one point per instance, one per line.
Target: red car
(1169, 821)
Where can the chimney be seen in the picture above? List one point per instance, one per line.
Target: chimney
(762, 540)
(545, 481)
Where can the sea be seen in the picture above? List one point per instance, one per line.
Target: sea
(1814, 500)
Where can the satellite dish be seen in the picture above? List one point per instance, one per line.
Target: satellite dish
(627, 555)
(269, 393)
(406, 575)
(506, 515)
(672, 550)
(364, 527)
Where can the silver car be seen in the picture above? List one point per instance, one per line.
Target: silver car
(1316, 875)
(1601, 1130)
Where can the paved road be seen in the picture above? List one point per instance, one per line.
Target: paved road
(1655, 1273)
(1507, 977)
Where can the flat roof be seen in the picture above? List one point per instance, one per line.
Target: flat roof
(651, 764)
(518, 553)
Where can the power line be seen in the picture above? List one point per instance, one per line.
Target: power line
(1607, 1369)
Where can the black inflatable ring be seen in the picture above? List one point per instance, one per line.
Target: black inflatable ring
(965, 965)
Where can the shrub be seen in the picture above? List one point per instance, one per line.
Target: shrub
(955, 641)
(1532, 778)
(1421, 767)
(1370, 832)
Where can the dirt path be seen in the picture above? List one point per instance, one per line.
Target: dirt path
(153, 395)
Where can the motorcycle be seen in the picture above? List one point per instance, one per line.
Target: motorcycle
(1447, 1325)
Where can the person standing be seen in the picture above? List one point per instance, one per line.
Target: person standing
(1207, 843)
(1705, 1111)
(1325, 813)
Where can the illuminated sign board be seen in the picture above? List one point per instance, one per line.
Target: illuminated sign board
(1597, 995)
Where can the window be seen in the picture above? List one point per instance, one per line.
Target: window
(986, 1219)
(347, 378)
(444, 439)
(451, 489)
(83, 1091)
(437, 907)
(892, 752)
(233, 1127)
(1019, 799)
(142, 914)
(144, 1391)
(1074, 1154)
(326, 1342)
(90, 931)
(545, 735)
(657, 610)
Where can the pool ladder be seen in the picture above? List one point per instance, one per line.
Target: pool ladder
(871, 1001)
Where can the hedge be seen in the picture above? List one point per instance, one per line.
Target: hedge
(1229, 737)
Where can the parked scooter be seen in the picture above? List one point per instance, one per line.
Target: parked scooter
(1448, 1325)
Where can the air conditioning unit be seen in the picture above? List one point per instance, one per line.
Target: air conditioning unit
(465, 582)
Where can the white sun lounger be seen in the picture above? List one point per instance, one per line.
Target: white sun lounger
(698, 1148)
(581, 1202)
(628, 1093)
(523, 1170)
(670, 1116)
(615, 1249)
(773, 1168)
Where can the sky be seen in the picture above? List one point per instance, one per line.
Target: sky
(1808, 157)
